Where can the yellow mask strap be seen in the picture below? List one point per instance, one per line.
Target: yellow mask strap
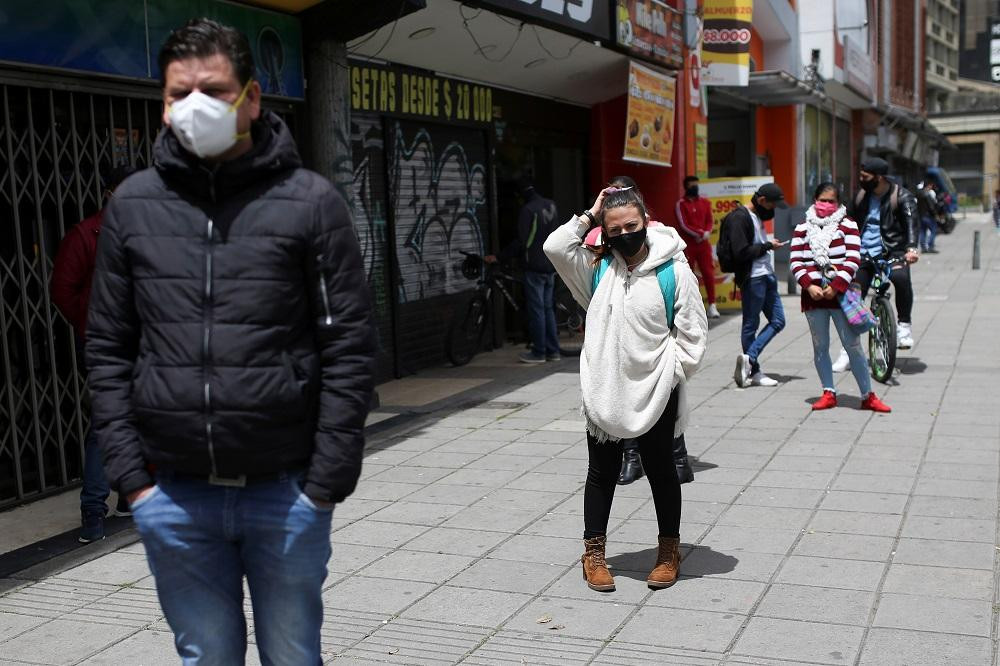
(239, 100)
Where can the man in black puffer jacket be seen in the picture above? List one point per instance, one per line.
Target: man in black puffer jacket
(230, 353)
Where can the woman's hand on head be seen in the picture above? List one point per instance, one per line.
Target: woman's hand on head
(596, 208)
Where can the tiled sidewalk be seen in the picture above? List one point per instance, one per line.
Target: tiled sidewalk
(831, 538)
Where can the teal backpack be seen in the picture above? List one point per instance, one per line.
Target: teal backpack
(664, 275)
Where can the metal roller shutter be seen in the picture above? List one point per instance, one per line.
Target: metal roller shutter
(439, 192)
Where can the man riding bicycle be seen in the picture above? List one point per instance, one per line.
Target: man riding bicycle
(887, 215)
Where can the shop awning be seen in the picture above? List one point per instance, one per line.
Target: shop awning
(915, 123)
(775, 89)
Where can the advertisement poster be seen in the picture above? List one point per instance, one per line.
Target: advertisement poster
(649, 130)
(726, 194)
(650, 29)
(725, 50)
(701, 150)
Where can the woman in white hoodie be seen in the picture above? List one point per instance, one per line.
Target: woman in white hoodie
(633, 364)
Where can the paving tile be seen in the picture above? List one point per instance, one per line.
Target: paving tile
(504, 499)
(375, 595)
(417, 565)
(465, 606)
(872, 502)
(617, 653)
(547, 550)
(953, 507)
(732, 539)
(149, 648)
(443, 459)
(949, 529)
(343, 628)
(113, 569)
(758, 495)
(800, 641)
(896, 647)
(406, 641)
(473, 543)
(416, 513)
(701, 512)
(571, 617)
(871, 483)
(845, 546)
(374, 533)
(772, 517)
(709, 593)
(411, 474)
(704, 561)
(940, 581)
(808, 464)
(12, 624)
(827, 572)
(855, 522)
(712, 492)
(551, 482)
(519, 647)
(947, 470)
(938, 553)
(932, 613)
(507, 576)
(793, 479)
(858, 464)
(384, 490)
(690, 629)
(490, 478)
(477, 517)
(63, 641)
(441, 493)
(817, 604)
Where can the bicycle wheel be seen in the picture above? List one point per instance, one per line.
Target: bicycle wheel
(882, 340)
(465, 335)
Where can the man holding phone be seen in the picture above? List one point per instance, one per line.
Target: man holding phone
(744, 243)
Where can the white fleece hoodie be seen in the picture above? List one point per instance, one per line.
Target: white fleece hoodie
(630, 360)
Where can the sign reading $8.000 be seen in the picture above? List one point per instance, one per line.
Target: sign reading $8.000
(378, 89)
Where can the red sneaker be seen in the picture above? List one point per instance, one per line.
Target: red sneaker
(873, 403)
(826, 401)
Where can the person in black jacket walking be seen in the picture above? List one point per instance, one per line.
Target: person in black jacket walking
(537, 219)
(229, 350)
(752, 254)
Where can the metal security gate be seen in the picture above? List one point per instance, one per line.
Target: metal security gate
(55, 144)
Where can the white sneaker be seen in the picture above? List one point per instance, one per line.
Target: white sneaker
(904, 336)
(712, 312)
(742, 373)
(760, 379)
(843, 362)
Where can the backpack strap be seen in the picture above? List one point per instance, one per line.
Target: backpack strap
(668, 285)
(664, 276)
(599, 272)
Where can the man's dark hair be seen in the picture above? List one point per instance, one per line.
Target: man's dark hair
(203, 38)
(688, 180)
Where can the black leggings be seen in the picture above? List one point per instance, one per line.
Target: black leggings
(900, 278)
(656, 450)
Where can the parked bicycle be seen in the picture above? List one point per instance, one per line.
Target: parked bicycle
(467, 333)
(882, 338)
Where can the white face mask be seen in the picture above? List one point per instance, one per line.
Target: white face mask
(204, 125)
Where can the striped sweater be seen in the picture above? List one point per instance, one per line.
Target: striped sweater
(845, 257)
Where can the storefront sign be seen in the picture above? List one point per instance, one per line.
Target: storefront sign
(859, 67)
(649, 129)
(725, 195)
(123, 37)
(701, 150)
(393, 90)
(591, 17)
(725, 51)
(650, 29)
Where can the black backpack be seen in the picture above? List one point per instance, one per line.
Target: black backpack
(724, 248)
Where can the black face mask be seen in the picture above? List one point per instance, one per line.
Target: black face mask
(869, 185)
(628, 244)
(691, 191)
(764, 213)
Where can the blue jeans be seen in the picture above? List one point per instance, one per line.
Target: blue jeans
(95, 490)
(928, 232)
(540, 308)
(202, 539)
(760, 295)
(819, 326)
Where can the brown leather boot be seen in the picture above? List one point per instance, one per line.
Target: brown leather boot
(595, 569)
(668, 561)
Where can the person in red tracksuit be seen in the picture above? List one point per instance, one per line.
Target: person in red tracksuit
(72, 275)
(694, 223)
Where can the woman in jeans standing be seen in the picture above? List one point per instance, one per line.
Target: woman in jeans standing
(825, 255)
(633, 364)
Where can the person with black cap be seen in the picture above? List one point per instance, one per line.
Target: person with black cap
(887, 216)
(745, 250)
(534, 223)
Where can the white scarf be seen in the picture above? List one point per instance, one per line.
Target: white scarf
(820, 232)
